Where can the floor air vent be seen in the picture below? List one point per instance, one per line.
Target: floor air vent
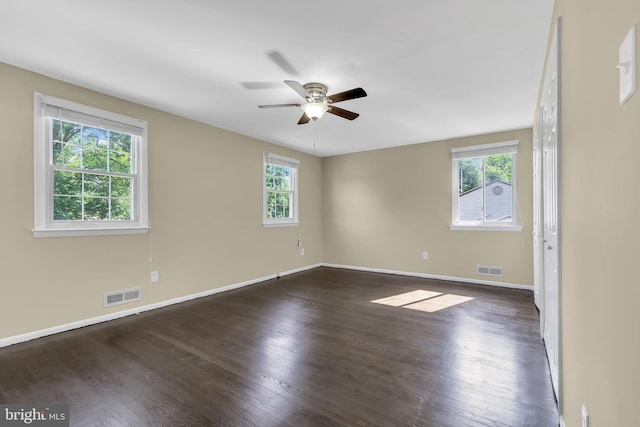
(121, 297)
(486, 270)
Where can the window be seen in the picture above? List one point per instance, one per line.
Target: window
(90, 170)
(484, 187)
(280, 190)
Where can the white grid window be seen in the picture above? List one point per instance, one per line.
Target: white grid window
(484, 187)
(280, 190)
(90, 170)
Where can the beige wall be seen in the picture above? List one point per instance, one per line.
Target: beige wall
(600, 153)
(383, 208)
(205, 216)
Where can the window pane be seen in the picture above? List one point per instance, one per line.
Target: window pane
(95, 137)
(96, 208)
(67, 208)
(119, 162)
(278, 177)
(94, 158)
(284, 179)
(121, 209)
(68, 155)
(279, 205)
(120, 187)
(470, 189)
(66, 131)
(67, 183)
(268, 176)
(58, 156)
(120, 142)
(498, 167)
(498, 191)
(96, 185)
(470, 171)
(271, 204)
(283, 201)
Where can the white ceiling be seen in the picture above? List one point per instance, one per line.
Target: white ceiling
(433, 69)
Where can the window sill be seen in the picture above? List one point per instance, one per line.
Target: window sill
(476, 227)
(79, 232)
(279, 224)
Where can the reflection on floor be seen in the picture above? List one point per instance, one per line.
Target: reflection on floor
(422, 300)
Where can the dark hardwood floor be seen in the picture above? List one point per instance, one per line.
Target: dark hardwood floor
(308, 349)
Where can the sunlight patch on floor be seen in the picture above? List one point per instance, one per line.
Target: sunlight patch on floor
(439, 303)
(422, 300)
(407, 298)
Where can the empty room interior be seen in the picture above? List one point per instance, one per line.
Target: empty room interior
(349, 213)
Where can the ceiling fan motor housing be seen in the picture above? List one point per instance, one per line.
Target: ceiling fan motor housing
(318, 91)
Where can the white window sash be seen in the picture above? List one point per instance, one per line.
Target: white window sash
(47, 108)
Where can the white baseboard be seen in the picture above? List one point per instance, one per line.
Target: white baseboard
(298, 270)
(4, 342)
(118, 314)
(433, 276)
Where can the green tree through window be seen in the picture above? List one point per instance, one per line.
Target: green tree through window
(497, 167)
(91, 173)
(279, 195)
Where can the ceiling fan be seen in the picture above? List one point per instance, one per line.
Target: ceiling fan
(318, 102)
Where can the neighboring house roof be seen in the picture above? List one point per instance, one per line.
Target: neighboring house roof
(498, 198)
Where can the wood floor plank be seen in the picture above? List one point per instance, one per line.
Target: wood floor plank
(309, 349)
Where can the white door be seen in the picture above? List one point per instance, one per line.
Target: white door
(550, 240)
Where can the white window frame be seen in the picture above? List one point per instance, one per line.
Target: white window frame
(45, 225)
(271, 158)
(506, 147)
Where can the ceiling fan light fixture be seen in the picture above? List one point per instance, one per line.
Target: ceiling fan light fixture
(315, 110)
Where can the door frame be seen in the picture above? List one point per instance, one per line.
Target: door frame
(538, 252)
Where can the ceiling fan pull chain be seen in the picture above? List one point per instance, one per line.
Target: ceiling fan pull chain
(315, 132)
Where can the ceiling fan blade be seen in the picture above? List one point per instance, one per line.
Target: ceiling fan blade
(261, 85)
(349, 115)
(348, 94)
(304, 120)
(282, 62)
(279, 105)
(299, 89)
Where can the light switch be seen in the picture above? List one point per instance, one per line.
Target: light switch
(627, 66)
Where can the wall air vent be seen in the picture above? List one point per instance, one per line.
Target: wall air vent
(121, 297)
(487, 270)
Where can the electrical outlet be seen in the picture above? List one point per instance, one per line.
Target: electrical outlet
(585, 417)
(425, 255)
(154, 276)
(301, 251)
